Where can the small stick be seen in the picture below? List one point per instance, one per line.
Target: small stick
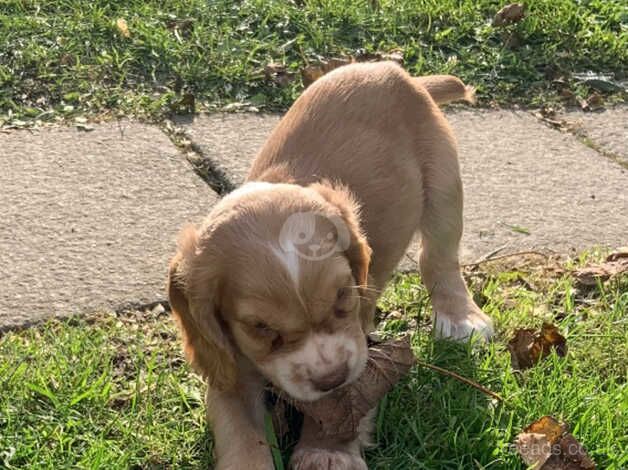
(510, 255)
(462, 379)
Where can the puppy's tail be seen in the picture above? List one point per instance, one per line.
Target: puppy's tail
(446, 88)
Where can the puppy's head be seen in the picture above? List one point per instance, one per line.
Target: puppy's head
(275, 277)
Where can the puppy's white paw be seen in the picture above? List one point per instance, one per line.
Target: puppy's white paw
(308, 458)
(461, 328)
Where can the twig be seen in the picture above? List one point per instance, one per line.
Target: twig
(509, 255)
(492, 253)
(462, 379)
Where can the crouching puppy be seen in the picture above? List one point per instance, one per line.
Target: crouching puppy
(278, 284)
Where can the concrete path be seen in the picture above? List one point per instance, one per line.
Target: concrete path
(527, 186)
(90, 218)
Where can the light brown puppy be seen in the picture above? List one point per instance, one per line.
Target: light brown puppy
(279, 283)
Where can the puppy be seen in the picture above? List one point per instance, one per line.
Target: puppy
(278, 285)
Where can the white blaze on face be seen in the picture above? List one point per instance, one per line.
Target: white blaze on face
(290, 261)
(319, 355)
(249, 188)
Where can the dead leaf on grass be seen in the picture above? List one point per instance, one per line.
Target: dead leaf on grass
(278, 73)
(512, 13)
(313, 72)
(616, 264)
(547, 445)
(181, 24)
(185, 104)
(394, 55)
(527, 347)
(548, 116)
(123, 28)
(621, 253)
(595, 101)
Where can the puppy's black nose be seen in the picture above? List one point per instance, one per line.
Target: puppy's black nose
(329, 381)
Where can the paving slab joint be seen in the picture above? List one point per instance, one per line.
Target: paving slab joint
(580, 133)
(203, 166)
(585, 139)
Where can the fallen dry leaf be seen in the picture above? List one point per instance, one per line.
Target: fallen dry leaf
(185, 104)
(595, 100)
(181, 24)
(621, 253)
(338, 415)
(395, 55)
(278, 73)
(313, 72)
(123, 28)
(616, 264)
(510, 14)
(584, 105)
(547, 444)
(533, 448)
(527, 347)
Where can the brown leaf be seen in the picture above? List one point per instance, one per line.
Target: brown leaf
(533, 448)
(547, 444)
(595, 101)
(528, 347)
(512, 13)
(567, 94)
(278, 73)
(584, 105)
(313, 72)
(621, 253)
(394, 55)
(185, 104)
(572, 451)
(182, 24)
(616, 264)
(550, 427)
(338, 415)
(123, 28)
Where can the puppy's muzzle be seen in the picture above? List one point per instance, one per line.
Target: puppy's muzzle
(331, 380)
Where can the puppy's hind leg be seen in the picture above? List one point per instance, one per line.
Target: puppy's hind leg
(456, 314)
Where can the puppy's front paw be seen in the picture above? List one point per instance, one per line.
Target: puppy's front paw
(461, 327)
(308, 458)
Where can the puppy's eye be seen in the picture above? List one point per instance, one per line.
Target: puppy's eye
(262, 329)
(345, 303)
(341, 294)
(339, 313)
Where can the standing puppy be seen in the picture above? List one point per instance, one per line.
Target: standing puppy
(280, 281)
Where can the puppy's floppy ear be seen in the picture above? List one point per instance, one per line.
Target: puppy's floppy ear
(193, 284)
(358, 252)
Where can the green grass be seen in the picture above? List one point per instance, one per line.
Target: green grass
(65, 58)
(114, 392)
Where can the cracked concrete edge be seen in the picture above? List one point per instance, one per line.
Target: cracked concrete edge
(117, 311)
(204, 167)
(585, 139)
(581, 134)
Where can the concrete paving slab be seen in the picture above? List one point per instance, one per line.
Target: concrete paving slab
(229, 141)
(526, 186)
(90, 219)
(607, 130)
(520, 174)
